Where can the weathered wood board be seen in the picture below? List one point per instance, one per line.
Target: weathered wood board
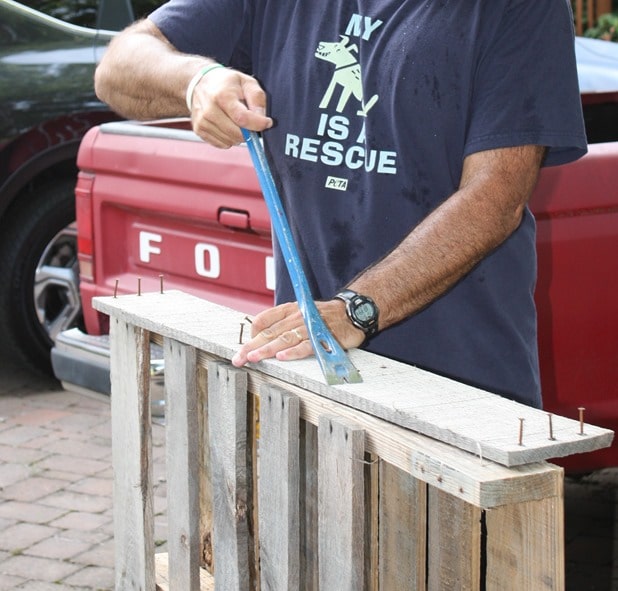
(132, 459)
(182, 465)
(463, 416)
(279, 503)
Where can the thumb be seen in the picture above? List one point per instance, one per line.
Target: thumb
(255, 100)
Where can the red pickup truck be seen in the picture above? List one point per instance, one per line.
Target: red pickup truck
(152, 200)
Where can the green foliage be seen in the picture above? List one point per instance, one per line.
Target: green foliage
(606, 28)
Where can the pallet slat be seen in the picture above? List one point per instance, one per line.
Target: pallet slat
(182, 465)
(278, 504)
(132, 458)
(403, 527)
(341, 504)
(453, 544)
(227, 422)
(523, 541)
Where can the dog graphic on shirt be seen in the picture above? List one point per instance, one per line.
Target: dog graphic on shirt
(347, 75)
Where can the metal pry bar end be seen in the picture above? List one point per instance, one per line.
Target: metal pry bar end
(340, 373)
(349, 377)
(333, 360)
(352, 376)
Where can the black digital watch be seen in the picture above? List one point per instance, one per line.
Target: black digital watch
(361, 310)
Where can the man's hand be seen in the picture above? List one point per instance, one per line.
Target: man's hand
(280, 332)
(142, 76)
(225, 100)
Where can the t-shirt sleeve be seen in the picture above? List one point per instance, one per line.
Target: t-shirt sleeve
(215, 28)
(525, 88)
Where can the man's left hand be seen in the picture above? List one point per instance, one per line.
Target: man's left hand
(280, 332)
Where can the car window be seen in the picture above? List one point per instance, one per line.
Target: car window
(84, 12)
(76, 12)
(143, 8)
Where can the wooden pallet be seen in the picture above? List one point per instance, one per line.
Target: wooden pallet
(277, 481)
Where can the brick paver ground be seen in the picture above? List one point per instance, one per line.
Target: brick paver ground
(56, 521)
(56, 530)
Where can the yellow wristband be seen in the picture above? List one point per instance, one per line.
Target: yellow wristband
(195, 81)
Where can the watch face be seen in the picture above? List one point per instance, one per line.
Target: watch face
(361, 310)
(364, 312)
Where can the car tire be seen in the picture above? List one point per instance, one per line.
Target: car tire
(39, 295)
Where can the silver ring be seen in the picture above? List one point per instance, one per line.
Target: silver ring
(297, 334)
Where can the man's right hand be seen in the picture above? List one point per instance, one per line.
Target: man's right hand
(142, 76)
(223, 101)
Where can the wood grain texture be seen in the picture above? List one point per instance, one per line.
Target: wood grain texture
(403, 530)
(205, 476)
(309, 558)
(372, 522)
(132, 458)
(182, 465)
(446, 410)
(525, 546)
(278, 497)
(472, 479)
(341, 504)
(453, 543)
(227, 423)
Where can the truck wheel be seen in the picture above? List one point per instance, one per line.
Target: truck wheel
(39, 295)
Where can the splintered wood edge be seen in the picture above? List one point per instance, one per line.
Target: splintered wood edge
(398, 393)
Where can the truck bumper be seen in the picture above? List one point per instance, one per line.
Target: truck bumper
(81, 363)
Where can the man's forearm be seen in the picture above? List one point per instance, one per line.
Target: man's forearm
(141, 76)
(443, 248)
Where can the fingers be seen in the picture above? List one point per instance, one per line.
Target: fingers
(224, 101)
(277, 320)
(267, 344)
(280, 333)
(288, 345)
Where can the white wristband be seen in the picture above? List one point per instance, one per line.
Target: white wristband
(195, 81)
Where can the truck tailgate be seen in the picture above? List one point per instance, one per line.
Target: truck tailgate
(175, 207)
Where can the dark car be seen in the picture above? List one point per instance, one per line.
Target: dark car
(47, 103)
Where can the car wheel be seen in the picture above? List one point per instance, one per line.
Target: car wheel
(39, 295)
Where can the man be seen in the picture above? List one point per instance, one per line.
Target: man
(405, 139)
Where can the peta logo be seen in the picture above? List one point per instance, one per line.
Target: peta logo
(347, 75)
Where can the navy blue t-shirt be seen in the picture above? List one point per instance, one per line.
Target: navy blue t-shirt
(376, 108)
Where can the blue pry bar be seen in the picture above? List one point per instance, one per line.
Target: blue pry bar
(333, 360)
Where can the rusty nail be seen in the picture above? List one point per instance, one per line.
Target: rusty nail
(139, 286)
(521, 431)
(581, 410)
(551, 427)
(116, 288)
(161, 283)
(242, 328)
